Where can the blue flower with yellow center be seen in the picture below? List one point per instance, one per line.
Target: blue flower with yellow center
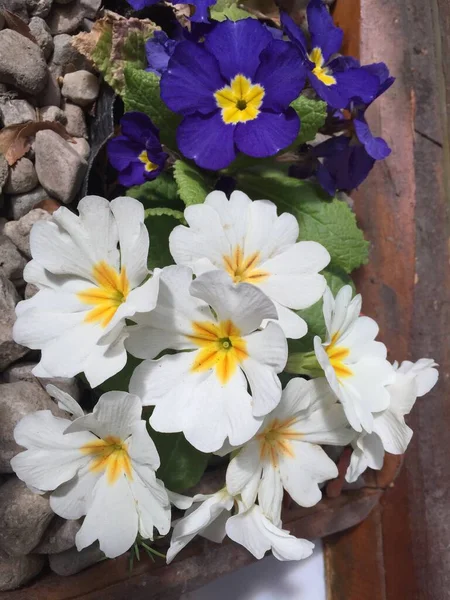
(334, 84)
(137, 154)
(234, 92)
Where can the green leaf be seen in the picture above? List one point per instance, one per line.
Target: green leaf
(160, 223)
(142, 94)
(228, 9)
(182, 465)
(336, 278)
(162, 191)
(193, 184)
(329, 222)
(312, 115)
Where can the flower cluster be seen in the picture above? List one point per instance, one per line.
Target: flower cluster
(211, 332)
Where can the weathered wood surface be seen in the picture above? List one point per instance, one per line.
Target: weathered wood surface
(403, 550)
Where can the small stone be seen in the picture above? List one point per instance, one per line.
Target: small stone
(66, 18)
(30, 291)
(20, 372)
(21, 204)
(91, 8)
(59, 167)
(14, 112)
(66, 58)
(17, 7)
(22, 63)
(9, 350)
(4, 171)
(19, 231)
(52, 113)
(24, 517)
(76, 121)
(51, 96)
(17, 400)
(62, 1)
(41, 33)
(81, 87)
(2, 24)
(82, 147)
(19, 570)
(71, 561)
(12, 263)
(39, 8)
(59, 537)
(23, 372)
(22, 177)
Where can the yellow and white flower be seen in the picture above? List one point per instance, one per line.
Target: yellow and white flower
(201, 390)
(354, 363)
(285, 454)
(210, 517)
(101, 465)
(390, 432)
(253, 245)
(91, 271)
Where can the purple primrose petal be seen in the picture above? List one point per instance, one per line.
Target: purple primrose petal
(138, 127)
(268, 133)
(294, 32)
(357, 83)
(159, 49)
(134, 174)
(237, 46)
(191, 79)
(350, 167)
(207, 140)
(281, 73)
(201, 14)
(324, 33)
(376, 147)
(122, 152)
(330, 147)
(325, 179)
(334, 95)
(140, 4)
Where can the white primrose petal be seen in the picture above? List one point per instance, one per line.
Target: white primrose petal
(111, 518)
(268, 351)
(270, 494)
(106, 359)
(255, 532)
(180, 501)
(358, 464)
(393, 431)
(424, 372)
(345, 310)
(370, 378)
(234, 214)
(65, 400)
(243, 304)
(216, 531)
(243, 467)
(302, 472)
(71, 499)
(151, 501)
(295, 398)
(291, 323)
(368, 452)
(358, 414)
(98, 232)
(141, 447)
(325, 426)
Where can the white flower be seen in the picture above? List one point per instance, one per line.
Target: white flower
(390, 432)
(285, 453)
(354, 364)
(202, 389)
(101, 465)
(252, 244)
(88, 286)
(250, 527)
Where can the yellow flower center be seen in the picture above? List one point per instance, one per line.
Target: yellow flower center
(113, 289)
(276, 440)
(337, 355)
(221, 348)
(244, 269)
(110, 455)
(149, 166)
(240, 101)
(322, 73)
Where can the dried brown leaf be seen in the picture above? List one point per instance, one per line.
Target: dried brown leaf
(16, 24)
(16, 140)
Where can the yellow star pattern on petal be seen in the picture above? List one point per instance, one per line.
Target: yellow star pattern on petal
(149, 165)
(275, 440)
(110, 455)
(243, 269)
(240, 101)
(337, 354)
(322, 73)
(113, 289)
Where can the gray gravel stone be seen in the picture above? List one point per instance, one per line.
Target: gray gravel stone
(17, 400)
(19, 231)
(51, 95)
(81, 87)
(21, 204)
(40, 31)
(59, 167)
(76, 121)
(12, 263)
(82, 147)
(65, 58)
(39, 8)
(4, 170)
(59, 537)
(30, 291)
(22, 63)
(22, 177)
(9, 350)
(14, 112)
(24, 517)
(52, 113)
(66, 18)
(18, 570)
(91, 8)
(18, 7)
(71, 561)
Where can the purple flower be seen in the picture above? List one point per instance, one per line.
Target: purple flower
(234, 92)
(159, 49)
(137, 154)
(201, 7)
(335, 81)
